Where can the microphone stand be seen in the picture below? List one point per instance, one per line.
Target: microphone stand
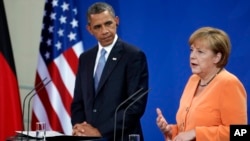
(30, 101)
(120, 106)
(24, 101)
(124, 113)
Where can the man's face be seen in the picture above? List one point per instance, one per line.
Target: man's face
(103, 26)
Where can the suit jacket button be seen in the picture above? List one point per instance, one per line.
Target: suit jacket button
(94, 110)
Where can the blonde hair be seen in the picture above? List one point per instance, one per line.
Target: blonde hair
(218, 40)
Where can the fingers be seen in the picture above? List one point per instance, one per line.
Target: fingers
(85, 129)
(158, 111)
(159, 115)
(78, 130)
(161, 121)
(160, 118)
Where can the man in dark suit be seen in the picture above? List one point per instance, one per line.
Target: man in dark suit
(125, 72)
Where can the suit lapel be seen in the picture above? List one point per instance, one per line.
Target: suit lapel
(113, 59)
(90, 71)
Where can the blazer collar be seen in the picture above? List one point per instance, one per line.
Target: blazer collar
(113, 59)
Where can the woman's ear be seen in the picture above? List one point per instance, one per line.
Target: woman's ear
(217, 58)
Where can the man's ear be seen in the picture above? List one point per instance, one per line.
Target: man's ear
(117, 21)
(89, 29)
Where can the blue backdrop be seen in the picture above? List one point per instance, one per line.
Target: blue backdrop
(161, 28)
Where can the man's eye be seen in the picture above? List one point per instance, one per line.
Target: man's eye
(97, 27)
(108, 23)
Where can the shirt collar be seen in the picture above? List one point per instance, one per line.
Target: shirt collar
(109, 47)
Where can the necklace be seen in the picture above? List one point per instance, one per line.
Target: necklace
(209, 80)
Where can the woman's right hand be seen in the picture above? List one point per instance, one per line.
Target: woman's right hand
(163, 124)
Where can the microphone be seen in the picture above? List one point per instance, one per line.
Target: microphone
(32, 97)
(138, 91)
(124, 113)
(30, 101)
(24, 101)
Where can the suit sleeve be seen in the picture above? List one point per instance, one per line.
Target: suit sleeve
(137, 77)
(77, 106)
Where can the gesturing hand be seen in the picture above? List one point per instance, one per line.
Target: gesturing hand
(163, 124)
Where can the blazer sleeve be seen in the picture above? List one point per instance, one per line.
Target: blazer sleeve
(136, 77)
(77, 106)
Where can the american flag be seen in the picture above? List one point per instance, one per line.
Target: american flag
(60, 48)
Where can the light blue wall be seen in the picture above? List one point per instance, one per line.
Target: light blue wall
(162, 28)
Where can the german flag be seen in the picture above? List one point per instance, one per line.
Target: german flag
(10, 105)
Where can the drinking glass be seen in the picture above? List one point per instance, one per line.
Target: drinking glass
(41, 130)
(134, 137)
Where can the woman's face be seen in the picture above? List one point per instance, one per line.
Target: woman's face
(202, 59)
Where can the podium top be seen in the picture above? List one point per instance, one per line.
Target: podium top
(74, 138)
(56, 138)
(53, 137)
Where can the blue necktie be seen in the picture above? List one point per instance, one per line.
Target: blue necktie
(100, 67)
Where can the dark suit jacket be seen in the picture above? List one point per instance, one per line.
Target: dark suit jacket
(124, 73)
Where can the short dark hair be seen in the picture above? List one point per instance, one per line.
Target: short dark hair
(99, 7)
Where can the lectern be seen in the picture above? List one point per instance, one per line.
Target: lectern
(21, 137)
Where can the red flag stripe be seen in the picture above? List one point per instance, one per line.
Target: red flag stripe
(64, 93)
(72, 59)
(54, 99)
(59, 51)
(53, 118)
(66, 72)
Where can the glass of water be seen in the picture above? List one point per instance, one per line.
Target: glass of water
(41, 130)
(134, 137)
